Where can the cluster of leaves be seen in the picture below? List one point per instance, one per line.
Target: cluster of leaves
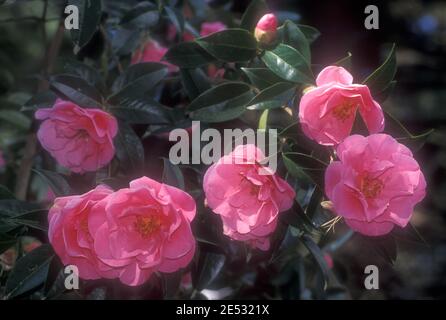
(261, 89)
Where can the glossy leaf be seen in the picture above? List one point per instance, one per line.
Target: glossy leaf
(129, 149)
(89, 18)
(29, 271)
(55, 181)
(381, 77)
(44, 99)
(287, 63)
(255, 10)
(261, 77)
(230, 45)
(294, 37)
(221, 103)
(172, 175)
(195, 82)
(188, 55)
(141, 111)
(77, 90)
(310, 32)
(275, 96)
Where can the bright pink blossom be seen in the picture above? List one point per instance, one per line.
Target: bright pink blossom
(143, 229)
(152, 52)
(266, 29)
(375, 184)
(69, 235)
(247, 200)
(80, 139)
(327, 112)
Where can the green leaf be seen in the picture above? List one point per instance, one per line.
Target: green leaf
(305, 167)
(55, 181)
(255, 10)
(172, 175)
(11, 208)
(288, 64)
(188, 55)
(143, 16)
(275, 96)
(261, 77)
(171, 284)
(381, 77)
(294, 37)
(77, 90)
(176, 18)
(221, 103)
(84, 71)
(141, 111)
(230, 45)
(15, 118)
(137, 80)
(310, 32)
(318, 256)
(29, 271)
(209, 265)
(386, 92)
(129, 149)
(89, 18)
(5, 193)
(195, 82)
(44, 99)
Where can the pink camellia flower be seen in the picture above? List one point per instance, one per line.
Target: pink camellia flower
(375, 184)
(152, 52)
(79, 139)
(69, 234)
(327, 112)
(266, 29)
(143, 229)
(247, 200)
(211, 27)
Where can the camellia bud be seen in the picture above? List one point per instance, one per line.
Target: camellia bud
(266, 29)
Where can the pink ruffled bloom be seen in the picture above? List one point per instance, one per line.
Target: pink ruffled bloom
(247, 200)
(152, 52)
(143, 229)
(327, 112)
(266, 29)
(79, 139)
(375, 184)
(69, 235)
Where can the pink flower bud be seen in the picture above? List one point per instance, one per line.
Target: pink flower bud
(266, 29)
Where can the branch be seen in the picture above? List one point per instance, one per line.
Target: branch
(26, 164)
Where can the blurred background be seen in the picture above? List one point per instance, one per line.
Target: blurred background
(419, 101)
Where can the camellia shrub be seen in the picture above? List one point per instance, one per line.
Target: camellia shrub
(97, 204)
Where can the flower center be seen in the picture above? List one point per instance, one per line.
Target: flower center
(371, 187)
(147, 225)
(344, 111)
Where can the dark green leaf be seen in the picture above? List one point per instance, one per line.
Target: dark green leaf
(77, 90)
(29, 271)
(15, 118)
(188, 55)
(381, 77)
(129, 149)
(208, 267)
(142, 16)
(171, 284)
(194, 81)
(288, 64)
(310, 33)
(294, 37)
(172, 175)
(137, 80)
(345, 62)
(318, 256)
(305, 167)
(221, 103)
(6, 242)
(275, 96)
(82, 70)
(44, 99)
(256, 10)
(230, 45)
(89, 18)
(176, 18)
(10, 208)
(142, 111)
(5, 193)
(261, 77)
(56, 182)
(386, 92)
